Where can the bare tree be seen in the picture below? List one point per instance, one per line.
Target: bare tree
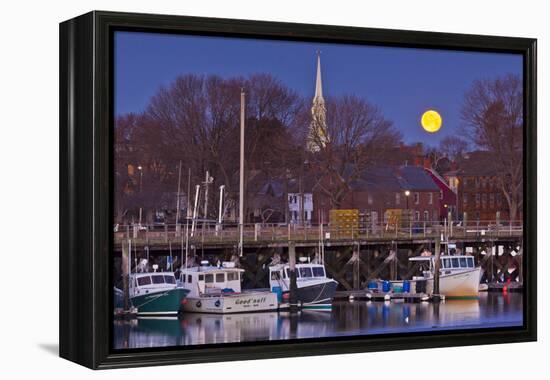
(195, 119)
(357, 135)
(493, 112)
(453, 147)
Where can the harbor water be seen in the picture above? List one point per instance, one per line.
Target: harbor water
(345, 319)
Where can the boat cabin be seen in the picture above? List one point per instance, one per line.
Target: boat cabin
(151, 282)
(211, 280)
(279, 275)
(449, 262)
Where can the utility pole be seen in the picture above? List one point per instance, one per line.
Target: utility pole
(195, 209)
(293, 285)
(178, 206)
(241, 178)
(436, 297)
(220, 211)
(188, 215)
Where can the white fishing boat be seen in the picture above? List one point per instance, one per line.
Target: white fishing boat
(458, 275)
(214, 289)
(314, 289)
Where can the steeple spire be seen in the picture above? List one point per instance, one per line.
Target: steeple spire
(319, 83)
(317, 136)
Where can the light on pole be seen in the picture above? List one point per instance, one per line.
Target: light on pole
(140, 168)
(407, 193)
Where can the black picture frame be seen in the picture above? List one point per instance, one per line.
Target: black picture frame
(86, 188)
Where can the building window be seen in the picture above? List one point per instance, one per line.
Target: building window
(426, 215)
(499, 199)
(430, 198)
(416, 198)
(477, 182)
(417, 215)
(492, 200)
(484, 200)
(441, 194)
(465, 199)
(478, 199)
(369, 199)
(397, 198)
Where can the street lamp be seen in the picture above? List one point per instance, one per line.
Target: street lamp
(140, 168)
(407, 193)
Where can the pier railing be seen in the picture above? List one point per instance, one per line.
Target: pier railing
(212, 233)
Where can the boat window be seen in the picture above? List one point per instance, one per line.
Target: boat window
(209, 278)
(158, 279)
(232, 276)
(169, 279)
(305, 272)
(318, 271)
(446, 263)
(455, 262)
(220, 277)
(189, 278)
(470, 262)
(144, 280)
(287, 270)
(201, 277)
(275, 275)
(463, 262)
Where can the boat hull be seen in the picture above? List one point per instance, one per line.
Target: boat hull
(166, 302)
(316, 296)
(458, 285)
(246, 302)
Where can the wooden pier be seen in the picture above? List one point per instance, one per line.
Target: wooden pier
(353, 258)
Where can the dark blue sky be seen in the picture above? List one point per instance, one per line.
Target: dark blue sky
(403, 82)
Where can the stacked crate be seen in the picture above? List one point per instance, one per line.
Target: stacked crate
(344, 223)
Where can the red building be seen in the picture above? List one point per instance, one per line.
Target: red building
(447, 196)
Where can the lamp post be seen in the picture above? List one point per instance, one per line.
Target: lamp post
(140, 168)
(407, 193)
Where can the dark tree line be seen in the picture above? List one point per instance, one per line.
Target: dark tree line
(196, 118)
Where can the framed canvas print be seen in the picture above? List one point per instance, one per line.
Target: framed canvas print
(238, 190)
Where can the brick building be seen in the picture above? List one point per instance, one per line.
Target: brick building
(476, 181)
(381, 190)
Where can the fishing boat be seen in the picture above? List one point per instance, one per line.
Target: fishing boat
(217, 289)
(314, 289)
(156, 293)
(458, 275)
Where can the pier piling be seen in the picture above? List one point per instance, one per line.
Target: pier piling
(293, 285)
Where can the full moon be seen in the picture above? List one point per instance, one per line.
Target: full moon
(431, 121)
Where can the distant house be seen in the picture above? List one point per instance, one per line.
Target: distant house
(276, 200)
(476, 181)
(300, 202)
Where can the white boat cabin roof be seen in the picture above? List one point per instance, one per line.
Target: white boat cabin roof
(449, 261)
(152, 279)
(210, 269)
(303, 270)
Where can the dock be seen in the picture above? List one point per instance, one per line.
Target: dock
(366, 295)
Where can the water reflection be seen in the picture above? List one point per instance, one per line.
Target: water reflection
(357, 318)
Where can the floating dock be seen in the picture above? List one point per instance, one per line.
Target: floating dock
(365, 295)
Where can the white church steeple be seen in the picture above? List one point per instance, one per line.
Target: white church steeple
(317, 136)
